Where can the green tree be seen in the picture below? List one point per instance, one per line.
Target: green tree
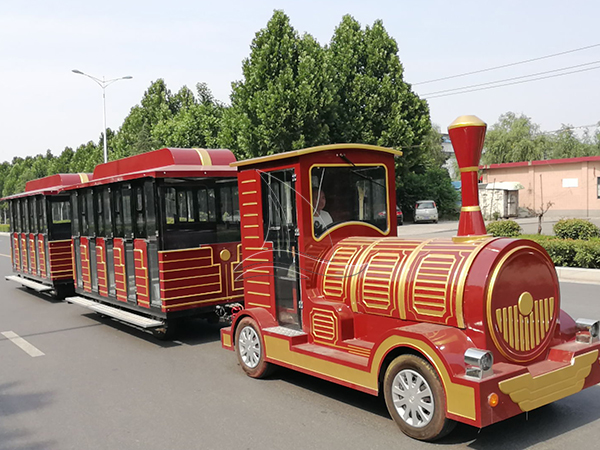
(433, 184)
(284, 99)
(196, 124)
(513, 138)
(373, 104)
(566, 144)
(135, 135)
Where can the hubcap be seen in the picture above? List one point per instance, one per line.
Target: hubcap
(412, 398)
(249, 347)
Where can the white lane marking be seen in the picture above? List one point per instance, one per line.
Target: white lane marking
(2, 254)
(22, 344)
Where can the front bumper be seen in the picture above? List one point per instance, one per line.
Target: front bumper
(569, 368)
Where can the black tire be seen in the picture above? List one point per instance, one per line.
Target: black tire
(415, 398)
(249, 348)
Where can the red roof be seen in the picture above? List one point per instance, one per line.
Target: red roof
(164, 163)
(546, 162)
(52, 184)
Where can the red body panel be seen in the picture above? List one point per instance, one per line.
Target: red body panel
(61, 262)
(101, 267)
(193, 278)
(120, 272)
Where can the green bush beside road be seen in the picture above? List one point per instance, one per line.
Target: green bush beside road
(504, 228)
(576, 244)
(576, 229)
(4, 227)
(570, 252)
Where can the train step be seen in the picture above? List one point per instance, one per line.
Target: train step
(39, 287)
(125, 316)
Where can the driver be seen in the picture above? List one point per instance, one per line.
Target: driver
(321, 218)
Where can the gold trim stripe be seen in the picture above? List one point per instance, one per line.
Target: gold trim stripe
(469, 169)
(470, 208)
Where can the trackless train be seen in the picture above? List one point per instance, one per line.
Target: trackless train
(467, 329)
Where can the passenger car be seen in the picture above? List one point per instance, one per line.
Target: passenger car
(426, 210)
(399, 215)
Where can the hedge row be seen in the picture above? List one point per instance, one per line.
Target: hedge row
(573, 253)
(4, 227)
(576, 243)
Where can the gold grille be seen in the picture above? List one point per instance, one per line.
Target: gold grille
(525, 332)
(324, 325)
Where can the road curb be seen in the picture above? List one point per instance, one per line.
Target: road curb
(575, 275)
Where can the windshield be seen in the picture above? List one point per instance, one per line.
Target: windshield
(425, 205)
(348, 194)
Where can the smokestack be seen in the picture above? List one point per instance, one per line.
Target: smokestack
(467, 134)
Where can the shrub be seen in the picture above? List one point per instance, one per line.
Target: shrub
(505, 228)
(576, 229)
(4, 227)
(587, 254)
(569, 252)
(561, 251)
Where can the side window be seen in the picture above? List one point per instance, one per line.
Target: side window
(25, 215)
(118, 210)
(76, 224)
(170, 205)
(100, 213)
(107, 212)
(150, 207)
(126, 193)
(41, 212)
(11, 215)
(18, 218)
(140, 216)
(33, 221)
(182, 206)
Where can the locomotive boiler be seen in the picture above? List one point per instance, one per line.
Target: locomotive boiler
(466, 329)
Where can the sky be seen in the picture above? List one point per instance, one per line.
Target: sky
(43, 105)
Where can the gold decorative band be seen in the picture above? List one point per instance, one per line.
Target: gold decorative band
(469, 169)
(205, 159)
(470, 208)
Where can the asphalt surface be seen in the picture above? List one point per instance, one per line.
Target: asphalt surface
(103, 385)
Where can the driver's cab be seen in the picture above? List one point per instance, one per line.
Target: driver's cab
(295, 206)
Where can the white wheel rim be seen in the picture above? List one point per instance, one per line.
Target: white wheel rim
(413, 398)
(249, 347)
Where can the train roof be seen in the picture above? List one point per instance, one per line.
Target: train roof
(321, 148)
(52, 184)
(165, 163)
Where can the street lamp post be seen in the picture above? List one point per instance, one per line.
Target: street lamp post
(103, 84)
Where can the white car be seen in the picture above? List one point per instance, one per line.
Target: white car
(426, 211)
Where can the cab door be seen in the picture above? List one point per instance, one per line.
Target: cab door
(281, 230)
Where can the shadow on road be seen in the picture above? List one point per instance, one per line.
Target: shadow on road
(351, 397)
(527, 430)
(189, 332)
(13, 403)
(520, 432)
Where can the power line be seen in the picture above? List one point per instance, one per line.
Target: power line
(506, 65)
(513, 83)
(510, 79)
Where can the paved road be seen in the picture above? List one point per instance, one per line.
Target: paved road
(103, 385)
(449, 228)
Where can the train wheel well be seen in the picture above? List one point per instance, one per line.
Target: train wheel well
(239, 318)
(392, 355)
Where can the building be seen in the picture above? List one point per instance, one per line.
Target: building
(572, 184)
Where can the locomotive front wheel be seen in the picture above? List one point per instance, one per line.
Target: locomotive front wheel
(250, 350)
(415, 398)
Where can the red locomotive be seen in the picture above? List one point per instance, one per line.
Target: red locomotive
(41, 235)
(467, 329)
